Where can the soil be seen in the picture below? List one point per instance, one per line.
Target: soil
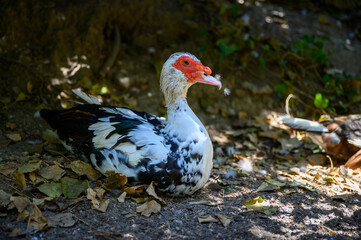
(40, 61)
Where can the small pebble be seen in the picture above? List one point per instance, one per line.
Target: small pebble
(178, 222)
(230, 174)
(230, 151)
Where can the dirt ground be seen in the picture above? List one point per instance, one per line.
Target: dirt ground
(311, 199)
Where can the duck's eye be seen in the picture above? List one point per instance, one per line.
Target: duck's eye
(185, 62)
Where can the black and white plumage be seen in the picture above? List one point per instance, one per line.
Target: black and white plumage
(176, 153)
(340, 136)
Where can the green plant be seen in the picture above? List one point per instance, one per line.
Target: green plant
(308, 46)
(320, 101)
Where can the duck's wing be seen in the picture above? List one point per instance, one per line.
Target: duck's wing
(351, 128)
(112, 138)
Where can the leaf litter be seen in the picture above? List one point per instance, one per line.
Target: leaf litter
(56, 180)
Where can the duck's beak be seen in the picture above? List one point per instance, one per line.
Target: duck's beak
(208, 79)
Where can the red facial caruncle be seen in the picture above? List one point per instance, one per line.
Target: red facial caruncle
(192, 69)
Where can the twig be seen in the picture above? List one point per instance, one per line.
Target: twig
(329, 158)
(110, 61)
(287, 103)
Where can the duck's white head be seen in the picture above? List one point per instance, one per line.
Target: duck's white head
(181, 71)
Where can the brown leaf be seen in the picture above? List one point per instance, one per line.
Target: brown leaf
(4, 142)
(206, 219)
(8, 169)
(20, 180)
(91, 195)
(147, 208)
(50, 136)
(104, 203)
(139, 199)
(23, 215)
(122, 196)
(225, 220)
(134, 189)
(99, 192)
(53, 172)
(83, 168)
(97, 204)
(37, 220)
(32, 176)
(114, 180)
(15, 137)
(41, 201)
(20, 203)
(10, 125)
(151, 192)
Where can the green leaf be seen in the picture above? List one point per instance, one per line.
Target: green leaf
(72, 188)
(100, 89)
(261, 61)
(320, 102)
(31, 166)
(280, 87)
(259, 205)
(52, 173)
(51, 189)
(326, 78)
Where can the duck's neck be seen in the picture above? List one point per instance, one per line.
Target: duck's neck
(182, 118)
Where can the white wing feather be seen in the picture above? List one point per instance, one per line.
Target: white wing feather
(87, 98)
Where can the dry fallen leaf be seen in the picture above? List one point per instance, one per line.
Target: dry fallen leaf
(37, 220)
(51, 189)
(53, 172)
(20, 203)
(259, 205)
(104, 203)
(41, 201)
(206, 219)
(62, 220)
(266, 187)
(4, 142)
(208, 203)
(99, 192)
(151, 192)
(147, 208)
(20, 180)
(32, 176)
(97, 204)
(134, 189)
(304, 185)
(50, 136)
(14, 137)
(23, 215)
(122, 196)
(114, 180)
(83, 168)
(31, 166)
(225, 220)
(4, 199)
(139, 199)
(8, 169)
(91, 195)
(270, 185)
(10, 125)
(72, 188)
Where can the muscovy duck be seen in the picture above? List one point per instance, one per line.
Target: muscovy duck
(341, 136)
(176, 153)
